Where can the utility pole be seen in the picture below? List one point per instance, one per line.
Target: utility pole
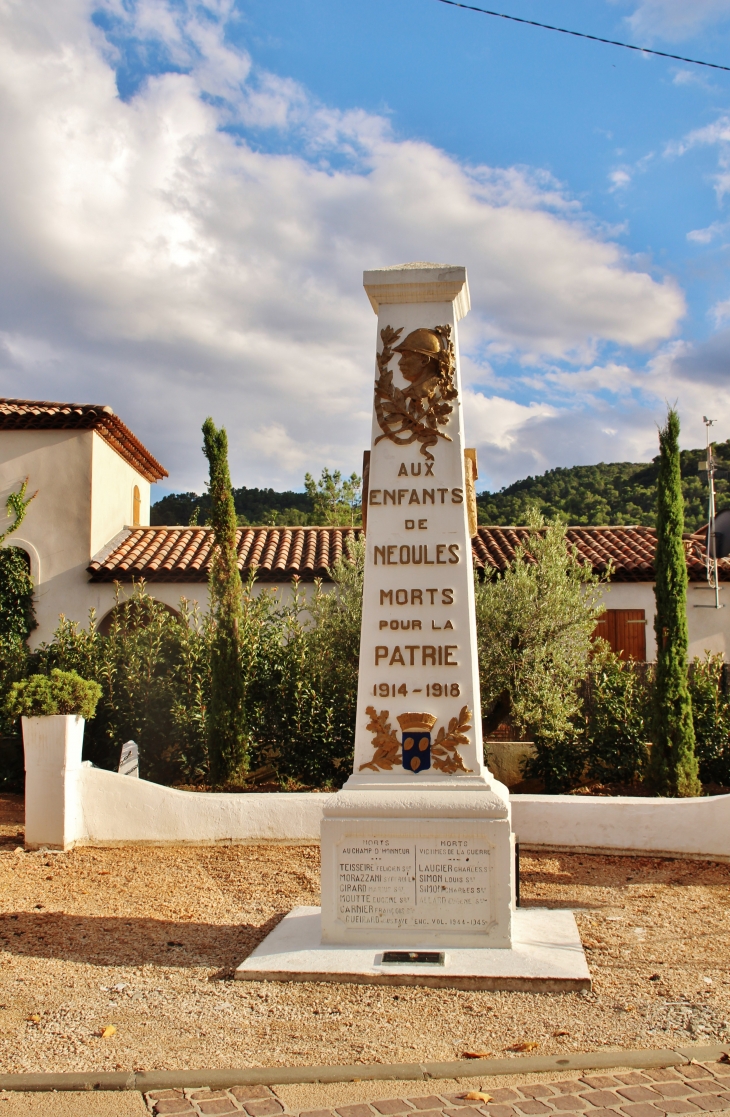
(710, 468)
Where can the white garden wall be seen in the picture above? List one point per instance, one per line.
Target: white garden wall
(694, 827)
(98, 807)
(117, 808)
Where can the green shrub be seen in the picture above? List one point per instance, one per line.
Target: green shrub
(17, 621)
(17, 613)
(558, 761)
(616, 720)
(304, 698)
(711, 717)
(61, 692)
(153, 671)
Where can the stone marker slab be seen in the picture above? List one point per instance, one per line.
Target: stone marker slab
(546, 956)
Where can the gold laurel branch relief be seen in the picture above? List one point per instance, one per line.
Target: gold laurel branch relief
(386, 745)
(415, 413)
(444, 749)
(444, 752)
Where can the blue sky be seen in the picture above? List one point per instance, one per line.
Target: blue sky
(194, 191)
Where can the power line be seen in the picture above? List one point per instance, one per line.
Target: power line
(583, 35)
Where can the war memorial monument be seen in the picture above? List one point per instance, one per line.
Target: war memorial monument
(418, 866)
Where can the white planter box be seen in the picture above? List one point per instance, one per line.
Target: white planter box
(52, 747)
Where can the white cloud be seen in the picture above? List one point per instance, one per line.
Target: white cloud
(619, 179)
(155, 260)
(716, 134)
(708, 234)
(585, 384)
(721, 312)
(499, 422)
(676, 19)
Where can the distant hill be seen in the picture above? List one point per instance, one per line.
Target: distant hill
(607, 493)
(258, 507)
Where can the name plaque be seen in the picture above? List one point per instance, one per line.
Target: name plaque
(421, 883)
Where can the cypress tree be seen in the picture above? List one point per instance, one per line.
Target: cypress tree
(226, 727)
(674, 764)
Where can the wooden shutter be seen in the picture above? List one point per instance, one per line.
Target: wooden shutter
(625, 631)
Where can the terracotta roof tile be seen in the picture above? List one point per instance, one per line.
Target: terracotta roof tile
(33, 414)
(629, 550)
(182, 554)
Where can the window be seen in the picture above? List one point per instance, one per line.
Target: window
(625, 632)
(136, 505)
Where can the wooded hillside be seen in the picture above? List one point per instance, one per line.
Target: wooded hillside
(253, 506)
(607, 493)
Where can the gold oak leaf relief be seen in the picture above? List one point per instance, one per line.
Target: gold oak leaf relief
(444, 754)
(386, 744)
(415, 413)
(443, 750)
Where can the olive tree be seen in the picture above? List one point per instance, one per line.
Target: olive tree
(534, 627)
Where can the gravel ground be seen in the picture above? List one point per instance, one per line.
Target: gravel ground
(143, 942)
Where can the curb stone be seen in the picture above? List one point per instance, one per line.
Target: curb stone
(144, 1081)
(688, 1088)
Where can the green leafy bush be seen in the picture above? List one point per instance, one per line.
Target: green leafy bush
(616, 719)
(299, 661)
(304, 699)
(17, 621)
(61, 692)
(711, 716)
(17, 613)
(153, 671)
(558, 761)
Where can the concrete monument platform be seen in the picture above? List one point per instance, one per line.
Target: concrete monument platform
(546, 956)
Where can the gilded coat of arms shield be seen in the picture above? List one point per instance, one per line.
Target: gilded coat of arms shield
(416, 740)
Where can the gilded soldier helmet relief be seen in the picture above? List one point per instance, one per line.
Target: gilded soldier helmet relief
(428, 364)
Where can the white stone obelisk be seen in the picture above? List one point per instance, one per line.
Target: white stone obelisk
(417, 848)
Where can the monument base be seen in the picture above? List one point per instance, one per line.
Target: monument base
(546, 956)
(417, 866)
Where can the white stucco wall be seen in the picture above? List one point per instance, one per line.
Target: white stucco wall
(634, 595)
(709, 629)
(58, 521)
(84, 493)
(69, 804)
(698, 827)
(113, 481)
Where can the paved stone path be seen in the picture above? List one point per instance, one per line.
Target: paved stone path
(693, 1088)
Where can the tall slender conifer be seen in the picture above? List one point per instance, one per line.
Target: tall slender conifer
(674, 764)
(227, 738)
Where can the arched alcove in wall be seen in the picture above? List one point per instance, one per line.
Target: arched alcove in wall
(31, 553)
(105, 624)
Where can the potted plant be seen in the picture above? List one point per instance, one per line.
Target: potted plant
(53, 709)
